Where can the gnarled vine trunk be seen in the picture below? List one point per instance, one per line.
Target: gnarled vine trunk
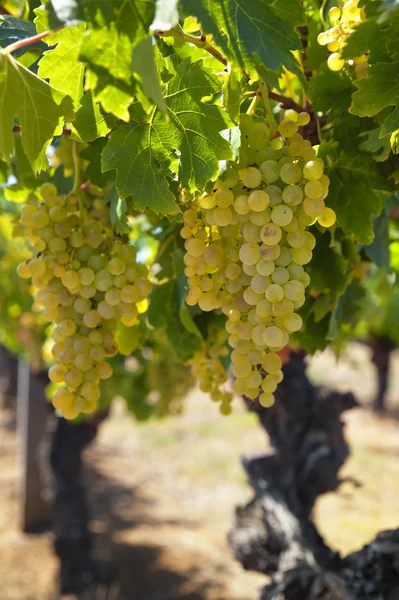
(275, 534)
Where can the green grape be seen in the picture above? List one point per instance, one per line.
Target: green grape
(274, 293)
(260, 218)
(86, 275)
(314, 189)
(224, 197)
(293, 323)
(241, 205)
(287, 128)
(251, 177)
(57, 373)
(258, 200)
(327, 217)
(301, 256)
(335, 62)
(222, 216)
(265, 267)
(290, 173)
(103, 280)
(294, 290)
(266, 400)
(273, 336)
(280, 275)
(275, 195)
(296, 239)
(292, 195)
(62, 399)
(249, 254)
(270, 234)
(313, 207)
(258, 135)
(270, 171)
(313, 169)
(281, 215)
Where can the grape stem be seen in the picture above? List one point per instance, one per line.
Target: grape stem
(283, 100)
(255, 101)
(30, 40)
(199, 42)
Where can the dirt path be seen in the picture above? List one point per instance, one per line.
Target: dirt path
(162, 497)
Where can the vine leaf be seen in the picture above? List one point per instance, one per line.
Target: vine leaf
(117, 211)
(252, 33)
(352, 196)
(147, 151)
(378, 251)
(143, 63)
(61, 65)
(376, 91)
(40, 108)
(90, 123)
(114, 96)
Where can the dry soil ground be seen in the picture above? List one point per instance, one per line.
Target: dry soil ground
(162, 495)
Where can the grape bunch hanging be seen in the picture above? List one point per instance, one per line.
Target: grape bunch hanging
(85, 281)
(247, 244)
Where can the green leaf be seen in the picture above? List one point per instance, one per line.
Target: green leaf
(40, 108)
(140, 167)
(252, 33)
(391, 123)
(166, 15)
(92, 153)
(109, 49)
(90, 123)
(143, 63)
(376, 91)
(114, 96)
(186, 318)
(164, 312)
(129, 339)
(190, 145)
(331, 91)
(117, 210)
(61, 65)
(374, 143)
(327, 269)
(378, 250)
(232, 96)
(352, 196)
(346, 315)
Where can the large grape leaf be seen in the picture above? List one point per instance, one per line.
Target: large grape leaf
(61, 64)
(40, 109)
(352, 195)
(189, 144)
(252, 33)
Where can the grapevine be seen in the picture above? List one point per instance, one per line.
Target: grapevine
(207, 183)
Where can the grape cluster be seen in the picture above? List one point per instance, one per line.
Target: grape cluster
(246, 245)
(335, 38)
(85, 281)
